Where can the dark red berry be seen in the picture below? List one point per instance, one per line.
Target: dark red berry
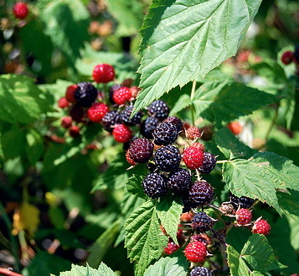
(154, 185)
(165, 133)
(66, 122)
(179, 181)
(147, 127)
(201, 222)
(122, 95)
(125, 117)
(167, 158)
(287, 57)
(243, 216)
(261, 226)
(77, 113)
(97, 112)
(129, 158)
(171, 248)
(209, 163)
(70, 92)
(158, 109)
(193, 157)
(110, 119)
(103, 73)
(63, 103)
(206, 133)
(196, 252)
(74, 131)
(85, 94)
(141, 150)
(122, 133)
(200, 271)
(20, 10)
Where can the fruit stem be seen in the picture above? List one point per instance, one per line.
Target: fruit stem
(191, 98)
(14, 247)
(222, 161)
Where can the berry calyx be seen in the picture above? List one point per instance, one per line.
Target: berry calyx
(243, 216)
(20, 10)
(200, 271)
(261, 226)
(196, 251)
(122, 95)
(171, 248)
(141, 150)
(287, 57)
(103, 73)
(97, 112)
(122, 133)
(193, 157)
(235, 127)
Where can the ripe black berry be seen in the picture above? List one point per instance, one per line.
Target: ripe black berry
(165, 133)
(209, 163)
(125, 117)
(179, 181)
(200, 271)
(167, 158)
(85, 94)
(154, 185)
(141, 150)
(242, 202)
(158, 109)
(176, 121)
(201, 222)
(200, 193)
(110, 119)
(147, 127)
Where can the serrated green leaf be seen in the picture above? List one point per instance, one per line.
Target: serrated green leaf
(183, 102)
(144, 238)
(230, 146)
(169, 211)
(133, 186)
(216, 100)
(103, 243)
(103, 270)
(260, 176)
(259, 254)
(289, 203)
(34, 146)
(169, 266)
(63, 19)
(236, 264)
(21, 100)
(184, 40)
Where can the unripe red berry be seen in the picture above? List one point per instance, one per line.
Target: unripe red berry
(69, 93)
(243, 216)
(63, 103)
(193, 133)
(287, 57)
(122, 95)
(196, 251)
(235, 127)
(103, 73)
(122, 133)
(97, 112)
(20, 10)
(193, 157)
(171, 247)
(261, 226)
(74, 131)
(66, 121)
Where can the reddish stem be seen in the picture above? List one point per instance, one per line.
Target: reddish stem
(8, 272)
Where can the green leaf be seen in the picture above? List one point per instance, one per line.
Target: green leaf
(169, 211)
(169, 266)
(216, 100)
(236, 264)
(183, 102)
(184, 40)
(230, 146)
(66, 23)
(35, 145)
(103, 270)
(128, 14)
(260, 176)
(21, 100)
(259, 255)
(144, 238)
(289, 203)
(133, 186)
(102, 244)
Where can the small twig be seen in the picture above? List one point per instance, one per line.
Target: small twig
(8, 272)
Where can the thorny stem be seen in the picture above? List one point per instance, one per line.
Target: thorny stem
(192, 106)
(14, 247)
